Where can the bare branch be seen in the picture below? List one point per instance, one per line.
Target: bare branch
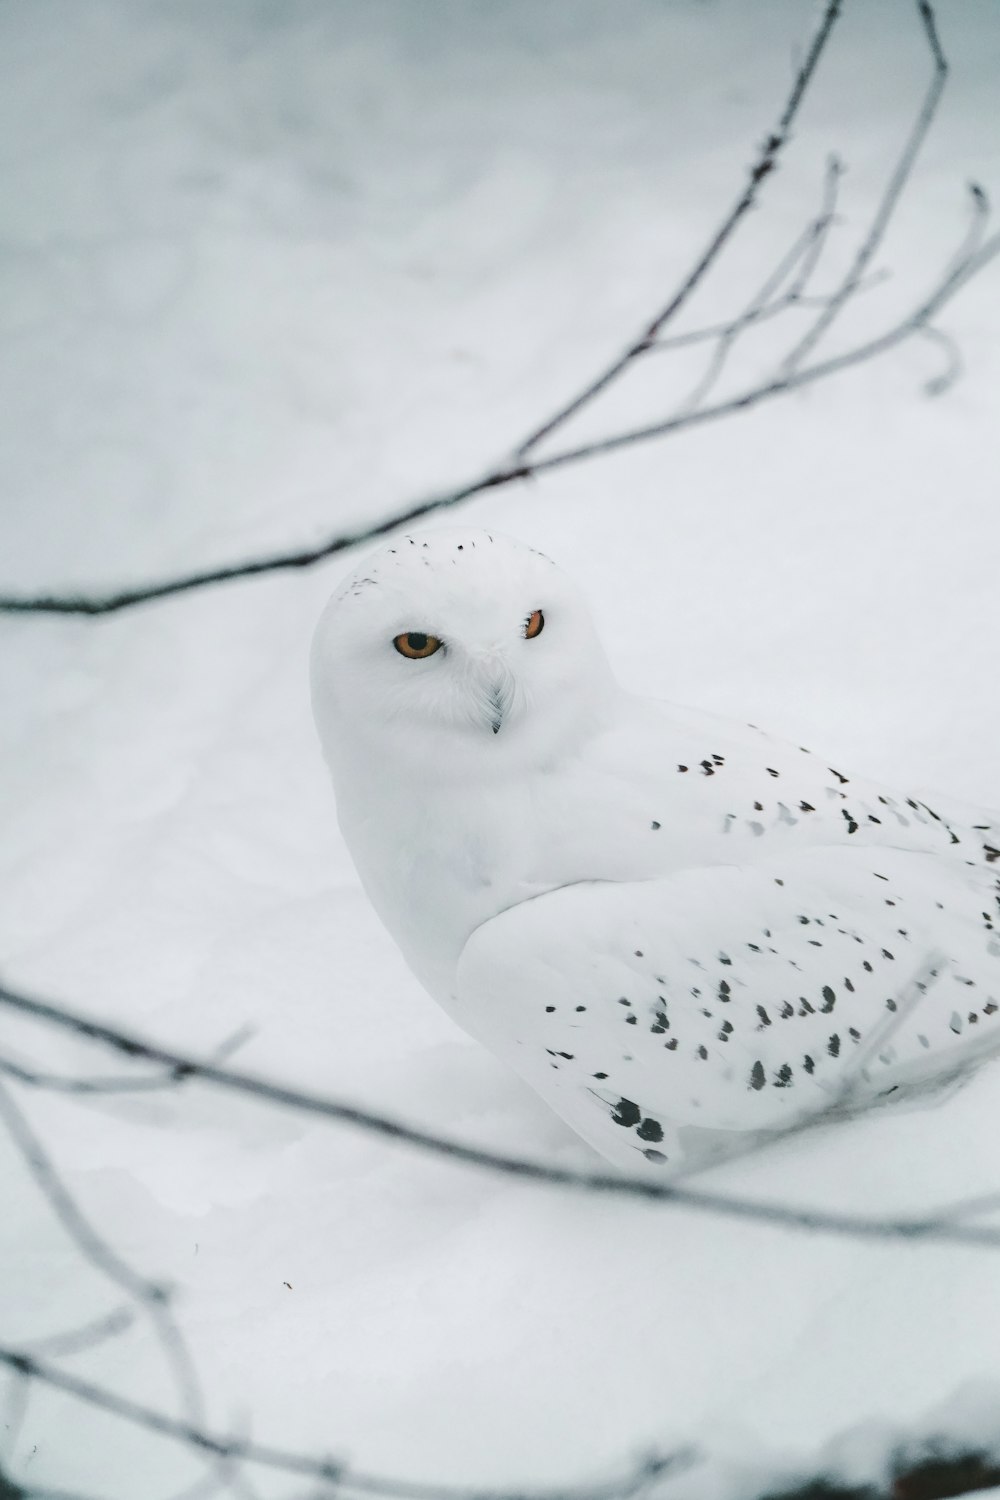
(92, 1247)
(89, 1335)
(943, 381)
(348, 1480)
(979, 218)
(924, 1471)
(971, 258)
(766, 303)
(763, 166)
(890, 198)
(17, 1409)
(913, 323)
(106, 604)
(926, 1227)
(149, 1295)
(59, 1083)
(963, 1208)
(50, 1494)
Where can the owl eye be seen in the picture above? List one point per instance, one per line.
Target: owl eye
(533, 625)
(415, 644)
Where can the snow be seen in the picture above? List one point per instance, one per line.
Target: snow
(273, 270)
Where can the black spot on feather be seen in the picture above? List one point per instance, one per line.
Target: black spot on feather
(627, 1113)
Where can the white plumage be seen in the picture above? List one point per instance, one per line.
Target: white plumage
(683, 933)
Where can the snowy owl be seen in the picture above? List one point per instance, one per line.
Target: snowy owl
(683, 933)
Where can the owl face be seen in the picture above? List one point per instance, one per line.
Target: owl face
(456, 644)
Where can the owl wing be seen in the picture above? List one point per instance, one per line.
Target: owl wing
(666, 1020)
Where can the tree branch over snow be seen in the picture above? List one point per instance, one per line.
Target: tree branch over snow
(933, 1225)
(762, 167)
(121, 1083)
(345, 1480)
(890, 197)
(150, 1297)
(924, 1470)
(791, 373)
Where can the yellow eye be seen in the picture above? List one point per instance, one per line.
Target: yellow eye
(415, 645)
(533, 625)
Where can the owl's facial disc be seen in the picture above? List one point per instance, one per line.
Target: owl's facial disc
(491, 677)
(451, 640)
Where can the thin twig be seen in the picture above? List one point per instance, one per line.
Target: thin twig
(504, 473)
(59, 1083)
(17, 1409)
(150, 1296)
(47, 1493)
(111, 603)
(966, 1208)
(98, 1331)
(306, 557)
(980, 210)
(889, 201)
(780, 1215)
(788, 302)
(970, 259)
(347, 1479)
(802, 258)
(938, 384)
(763, 166)
(912, 324)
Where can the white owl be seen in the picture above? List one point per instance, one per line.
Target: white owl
(684, 934)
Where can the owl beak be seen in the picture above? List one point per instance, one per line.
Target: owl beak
(497, 705)
(498, 693)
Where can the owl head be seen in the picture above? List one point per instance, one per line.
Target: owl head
(453, 650)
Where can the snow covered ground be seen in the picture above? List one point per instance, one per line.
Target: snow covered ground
(269, 269)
